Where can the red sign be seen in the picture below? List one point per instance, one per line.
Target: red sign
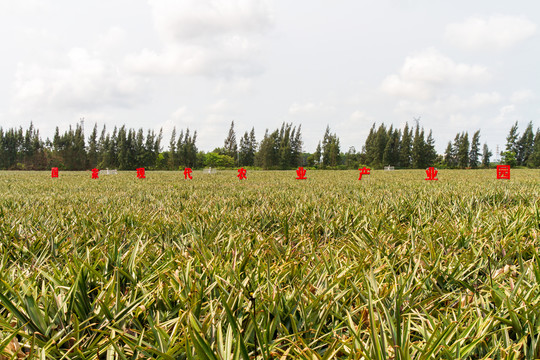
(301, 174)
(187, 173)
(54, 172)
(364, 171)
(95, 173)
(503, 172)
(242, 173)
(140, 173)
(431, 173)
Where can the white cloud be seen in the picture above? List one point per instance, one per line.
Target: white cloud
(179, 113)
(449, 104)
(80, 79)
(220, 106)
(495, 32)
(23, 6)
(522, 96)
(358, 115)
(423, 74)
(506, 114)
(309, 108)
(205, 37)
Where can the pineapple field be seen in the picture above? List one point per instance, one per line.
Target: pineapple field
(388, 267)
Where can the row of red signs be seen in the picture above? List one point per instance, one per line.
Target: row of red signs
(503, 172)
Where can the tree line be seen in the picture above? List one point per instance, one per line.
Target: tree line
(127, 149)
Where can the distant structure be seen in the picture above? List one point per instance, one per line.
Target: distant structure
(110, 172)
(209, 171)
(388, 168)
(497, 154)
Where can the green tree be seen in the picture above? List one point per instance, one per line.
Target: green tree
(405, 147)
(449, 155)
(486, 154)
(474, 154)
(173, 164)
(534, 159)
(430, 154)
(418, 149)
(463, 151)
(93, 148)
(230, 146)
(525, 146)
(330, 149)
(512, 139)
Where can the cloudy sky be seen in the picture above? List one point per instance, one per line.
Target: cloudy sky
(456, 65)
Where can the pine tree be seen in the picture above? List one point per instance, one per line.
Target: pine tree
(102, 147)
(455, 149)
(525, 146)
(93, 148)
(486, 154)
(296, 147)
(285, 148)
(534, 159)
(317, 154)
(463, 151)
(172, 150)
(475, 150)
(512, 138)
(370, 147)
(418, 149)
(268, 155)
(381, 138)
(449, 155)
(230, 145)
(330, 149)
(430, 153)
(405, 148)
(244, 150)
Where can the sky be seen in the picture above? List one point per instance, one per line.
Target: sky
(200, 64)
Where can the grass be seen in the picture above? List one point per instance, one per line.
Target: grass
(390, 267)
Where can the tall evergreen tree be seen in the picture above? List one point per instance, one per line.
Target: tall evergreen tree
(429, 152)
(475, 150)
(405, 148)
(525, 146)
(296, 147)
(93, 148)
(247, 149)
(449, 155)
(330, 149)
(230, 146)
(418, 149)
(534, 159)
(486, 154)
(455, 149)
(463, 151)
(268, 155)
(318, 154)
(172, 150)
(512, 139)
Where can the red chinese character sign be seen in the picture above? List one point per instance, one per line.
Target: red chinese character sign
(54, 172)
(242, 173)
(95, 173)
(503, 172)
(301, 174)
(187, 173)
(431, 173)
(364, 171)
(140, 173)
